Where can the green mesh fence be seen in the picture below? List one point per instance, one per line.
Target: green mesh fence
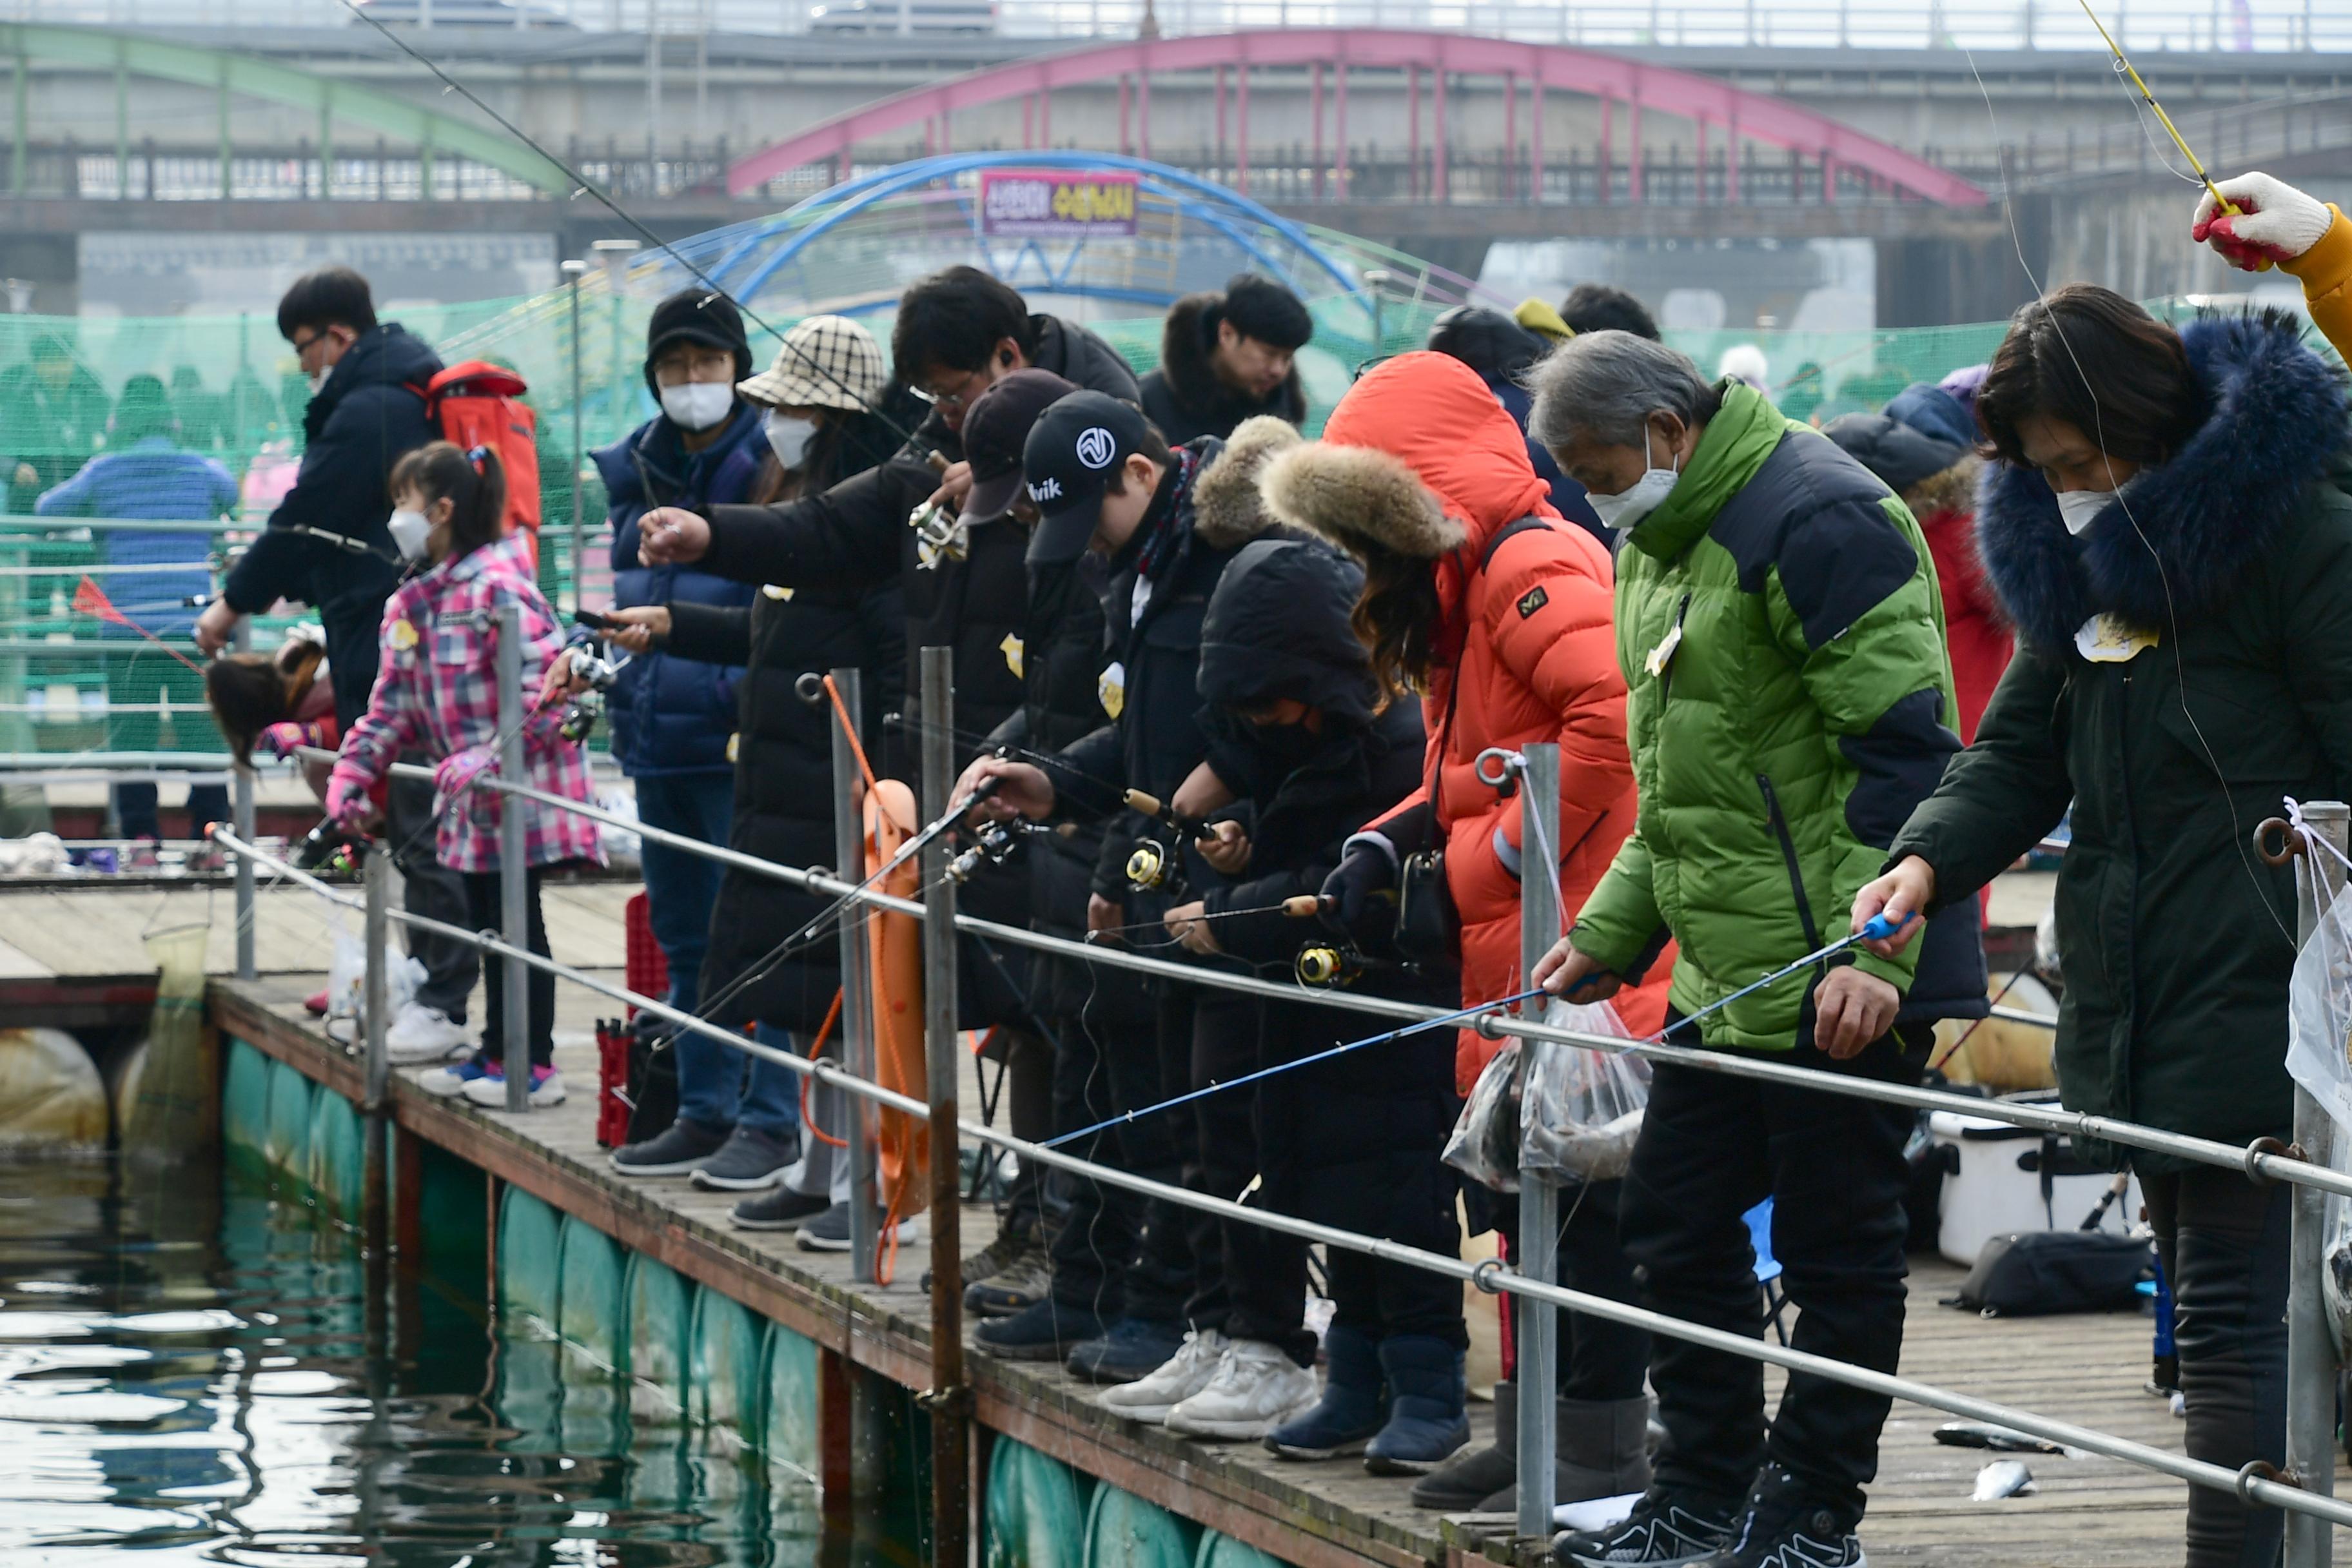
(151, 523)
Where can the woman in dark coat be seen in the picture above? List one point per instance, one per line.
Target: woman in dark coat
(782, 743)
(2169, 528)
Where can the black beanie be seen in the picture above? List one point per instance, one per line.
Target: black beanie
(696, 316)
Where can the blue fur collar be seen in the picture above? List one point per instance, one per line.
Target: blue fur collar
(2277, 421)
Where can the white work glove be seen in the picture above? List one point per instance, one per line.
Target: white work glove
(2275, 222)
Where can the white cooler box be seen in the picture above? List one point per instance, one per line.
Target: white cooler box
(1995, 1182)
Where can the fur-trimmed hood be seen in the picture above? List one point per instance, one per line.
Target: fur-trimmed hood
(1228, 508)
(1191, 382)
(2274, 425)
(1418, 458)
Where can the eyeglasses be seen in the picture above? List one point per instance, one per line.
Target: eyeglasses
(960, 398)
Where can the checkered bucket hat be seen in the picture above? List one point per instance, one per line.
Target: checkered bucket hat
(827, 362)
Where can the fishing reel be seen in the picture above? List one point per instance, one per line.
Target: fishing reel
(600, 674)
(1326, 965)
(1157, 863)
(939, 536)
(992, 844)
(330, 848)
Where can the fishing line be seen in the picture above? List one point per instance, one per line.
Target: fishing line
(2098, 423)
(583, 185)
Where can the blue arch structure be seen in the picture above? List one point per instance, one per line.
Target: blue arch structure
(1239, 219)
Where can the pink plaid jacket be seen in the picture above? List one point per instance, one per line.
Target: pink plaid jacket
(436, 691)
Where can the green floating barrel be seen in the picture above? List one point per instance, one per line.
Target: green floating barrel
(531, 1260)
(595, 1303)
(287, 1142)
(793, 1402)
(245, 1104)
(1035, 1519)
(726, 1369)
(660, 1304)
(338, 1155)
(1221, 1550)
(1123, 1531)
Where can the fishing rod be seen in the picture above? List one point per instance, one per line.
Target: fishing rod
(1878, 928)
(2124, 65)
(582, 184)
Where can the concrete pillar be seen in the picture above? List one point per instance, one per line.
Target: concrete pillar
(1340, 174)
(1241, 127)
(1535, 137)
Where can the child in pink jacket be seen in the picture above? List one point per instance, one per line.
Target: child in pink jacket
(436, 691)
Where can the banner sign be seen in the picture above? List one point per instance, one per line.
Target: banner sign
(1049, 204)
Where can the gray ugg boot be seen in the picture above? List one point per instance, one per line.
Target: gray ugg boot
(1464, 1483)
(1602, 1449)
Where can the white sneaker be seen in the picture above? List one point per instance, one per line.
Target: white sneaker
(1150, 1397)
(1256, 1388)
(491, 1089)
(420, 1034)
(344, 1030)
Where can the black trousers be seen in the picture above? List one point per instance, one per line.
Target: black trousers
(1595, 1359)
(1713, 1147)
(2224, 1244)
(485, 911)
(434, 891)
(1029, 1113)
(1108, 1063)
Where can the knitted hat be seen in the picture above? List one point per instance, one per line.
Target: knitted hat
(826, 361)
(696, 316)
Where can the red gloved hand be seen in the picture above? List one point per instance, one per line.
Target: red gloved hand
(281, 739)
(2274, 222)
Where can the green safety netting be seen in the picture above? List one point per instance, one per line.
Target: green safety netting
(72, 684)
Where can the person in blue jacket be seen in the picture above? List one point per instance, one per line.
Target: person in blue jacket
(143, 475)
(672, 718)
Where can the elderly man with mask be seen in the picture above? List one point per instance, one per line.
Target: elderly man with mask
(1781, 639)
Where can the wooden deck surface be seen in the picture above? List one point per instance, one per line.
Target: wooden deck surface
(2087, 1512)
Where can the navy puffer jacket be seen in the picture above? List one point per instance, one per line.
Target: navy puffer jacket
(673, 715)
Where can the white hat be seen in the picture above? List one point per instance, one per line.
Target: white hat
(826, 361)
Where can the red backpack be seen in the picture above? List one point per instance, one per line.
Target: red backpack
(478, 404)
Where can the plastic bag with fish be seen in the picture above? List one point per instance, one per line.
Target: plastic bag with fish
(2319, 1057)
(1581, 1108)
(1484, 1144)
(2003, 1477)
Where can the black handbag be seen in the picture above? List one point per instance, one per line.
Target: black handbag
(2035, 1273)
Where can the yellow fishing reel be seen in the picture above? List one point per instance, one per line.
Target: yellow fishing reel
(1153, 868)
(1323, 966)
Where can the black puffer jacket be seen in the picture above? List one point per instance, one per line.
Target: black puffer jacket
(369, 414)
(854, 536)
(1359, 1137)
(782, 749)
(1185, 398)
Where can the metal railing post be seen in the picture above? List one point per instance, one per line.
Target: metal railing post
(573, 271)
(241, 811)
(514, 860)
(376, 877)
(1537, 1324)
(949, 1400)
(2310, 1341)
(857, 977)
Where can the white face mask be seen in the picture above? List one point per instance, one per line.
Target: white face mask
(317, 379)
(410, 530)
(2080, 509)
(698, 404)
(1640, 498)
(789, 436)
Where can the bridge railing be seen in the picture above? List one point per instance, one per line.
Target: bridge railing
(2143, 26)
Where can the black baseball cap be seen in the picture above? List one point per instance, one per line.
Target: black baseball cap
(1072, 450)
(994, 429)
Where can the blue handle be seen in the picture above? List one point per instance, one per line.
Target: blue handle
(1878, 928)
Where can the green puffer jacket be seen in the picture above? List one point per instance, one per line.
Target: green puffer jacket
(1782, 638)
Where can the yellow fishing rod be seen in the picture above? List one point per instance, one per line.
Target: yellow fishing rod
(2224, 203)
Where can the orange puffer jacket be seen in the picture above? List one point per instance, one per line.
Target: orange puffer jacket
(1420, 458)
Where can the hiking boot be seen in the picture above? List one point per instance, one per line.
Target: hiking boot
(1600, 1448)
(1150, 1399)
(751, 1161)
(674, 1151)
(1354, 1404)
(1020, 1284)
(782, 1209)
(1129, 1348)
(1464, 1482)
(1662, 1531)
(1783, 1526)
(419, 1034)
(1256, 1389)
(1046, 1331)
(1429, 1415)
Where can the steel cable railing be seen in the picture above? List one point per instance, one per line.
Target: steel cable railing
(2256, 1482)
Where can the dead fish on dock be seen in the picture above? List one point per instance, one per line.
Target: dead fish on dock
(2000, 1439)
(2003, 1477)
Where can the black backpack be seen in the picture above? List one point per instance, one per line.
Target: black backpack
(2034, 1273)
